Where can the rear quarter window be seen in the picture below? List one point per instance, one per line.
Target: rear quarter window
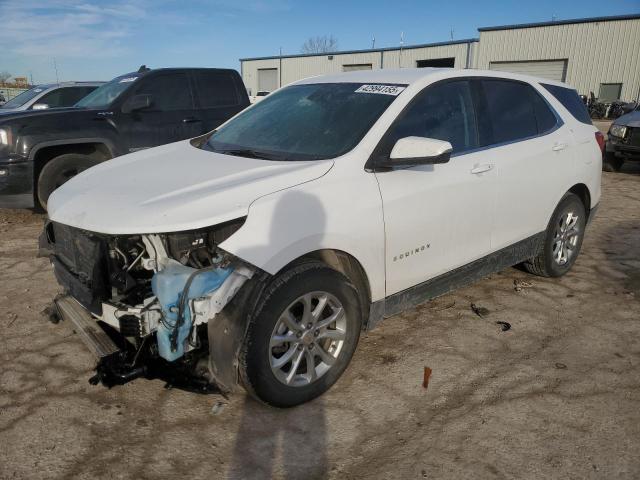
(571, 101)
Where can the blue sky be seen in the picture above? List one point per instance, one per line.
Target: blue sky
(97, 40)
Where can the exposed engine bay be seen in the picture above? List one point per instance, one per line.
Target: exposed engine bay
(153, 295)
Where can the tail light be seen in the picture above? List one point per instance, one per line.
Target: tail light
(600, 140)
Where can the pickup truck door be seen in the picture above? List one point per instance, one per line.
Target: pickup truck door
(171, 117)
(437, 217)
(217, 96)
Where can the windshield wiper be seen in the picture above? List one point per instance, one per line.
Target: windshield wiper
(249, 153)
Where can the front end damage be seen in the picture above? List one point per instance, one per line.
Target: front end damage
(152, 305)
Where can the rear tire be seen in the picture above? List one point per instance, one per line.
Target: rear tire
(291, 329)
(58, 171)
(611, 163)
(563, 239)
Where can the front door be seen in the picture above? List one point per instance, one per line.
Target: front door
(171, 116)
(437, 217)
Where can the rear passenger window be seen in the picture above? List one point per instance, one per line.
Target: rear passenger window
(215, 89)
(571, 101)
(445, 112)
(511, 110)
(169, 92)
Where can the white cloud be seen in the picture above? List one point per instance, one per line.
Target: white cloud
(67, 28)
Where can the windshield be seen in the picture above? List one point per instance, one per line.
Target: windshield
(305, 122)
(103, 96)
(23, 98)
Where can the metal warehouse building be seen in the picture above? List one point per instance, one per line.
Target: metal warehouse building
(600, 55)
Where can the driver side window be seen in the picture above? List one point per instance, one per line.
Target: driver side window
(444, 111)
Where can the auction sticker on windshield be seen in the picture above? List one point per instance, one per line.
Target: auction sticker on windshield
(381, 89)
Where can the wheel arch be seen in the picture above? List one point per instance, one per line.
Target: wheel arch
(583, 193)
(44, 152)
(346, 264)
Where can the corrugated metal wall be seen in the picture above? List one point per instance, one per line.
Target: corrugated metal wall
(409, 56)
(596, 52)
(296, 68)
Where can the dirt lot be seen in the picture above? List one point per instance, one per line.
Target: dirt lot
(557, 396)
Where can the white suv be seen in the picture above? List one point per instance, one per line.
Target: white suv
(257, 253)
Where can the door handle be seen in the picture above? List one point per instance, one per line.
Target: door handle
(191, 120)
(559, 146)
(481, 168)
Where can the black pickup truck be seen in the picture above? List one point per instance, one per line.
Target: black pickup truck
(40, 150)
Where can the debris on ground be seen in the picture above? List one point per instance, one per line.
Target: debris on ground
(217, 408)
(50, 312)
(427, 376)
(561, 366)
(520, 285)
(480, 311)
(504, 326)
(12, 318)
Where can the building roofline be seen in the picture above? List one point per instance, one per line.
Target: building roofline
(635, 16)
(370, 50)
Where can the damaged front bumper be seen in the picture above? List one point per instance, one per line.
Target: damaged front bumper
(138, 309)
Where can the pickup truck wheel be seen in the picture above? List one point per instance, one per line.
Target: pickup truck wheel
(58, 170)
(611, 163)
(562, 241)
(302, 337)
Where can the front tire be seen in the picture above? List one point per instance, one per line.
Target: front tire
(302, 336)
(58, 171)
(563, 239)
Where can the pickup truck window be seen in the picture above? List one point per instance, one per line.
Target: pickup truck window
(169, 91)
(304, 122)
(107, 93)
(215, 89)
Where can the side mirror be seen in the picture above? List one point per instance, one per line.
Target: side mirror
(39, 106)
(419, 151)
(137, 102)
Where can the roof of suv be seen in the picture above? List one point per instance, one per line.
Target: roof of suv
(408, 76)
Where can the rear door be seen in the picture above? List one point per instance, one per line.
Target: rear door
(218, 97)
(532, 152)
(437, 217)
(171, 116)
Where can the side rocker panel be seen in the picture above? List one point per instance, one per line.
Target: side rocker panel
(455, 279)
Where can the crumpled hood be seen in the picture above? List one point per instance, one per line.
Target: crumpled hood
(631, 119)
(172, 188)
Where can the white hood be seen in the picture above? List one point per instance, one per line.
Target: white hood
(172, 188)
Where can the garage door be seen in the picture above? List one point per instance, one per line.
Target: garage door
(358, 66)
(267, 79)
(551, 69)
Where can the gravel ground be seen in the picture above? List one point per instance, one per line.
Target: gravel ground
(556, 396)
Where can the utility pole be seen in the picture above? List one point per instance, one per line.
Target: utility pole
(55, 67)
(280, 70)
(373, 43)
(451, 33)
(401, 45)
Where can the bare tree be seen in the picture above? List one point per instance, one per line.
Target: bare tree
(320, 44)
(4, 76)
